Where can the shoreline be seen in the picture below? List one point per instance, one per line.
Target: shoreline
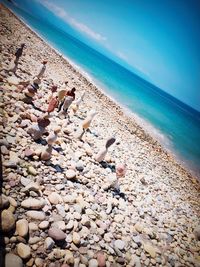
(137, 122)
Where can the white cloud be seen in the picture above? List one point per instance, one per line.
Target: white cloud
(58, 11)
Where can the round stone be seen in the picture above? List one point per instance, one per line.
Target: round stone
(55, 198)
(101, 259)
(23, 251)
(56, 234)
(22, 227)
(70, 174)
(44, 225)
(7, 221)
(76, 238)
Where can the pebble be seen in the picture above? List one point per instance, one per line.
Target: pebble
(69, 258)
(49, 243)
(101, 259)
(44, 225)
(4, 201)
(55, 198)
(22, 227)
(70, 174)
(23, 251)
(32, 170)
(7, 221)
(93, 263)
(36, 215)
(57, 234)
(150, 249)
(32, 203)
(76, 238)
(119, 244)
(12, 260)
(197, 232)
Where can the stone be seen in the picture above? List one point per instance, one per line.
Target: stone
(56, 234)
(150, 249)
(32, 203)
(12, 201)
(33, 240)
(70, 225)
(101, 259)
(32, 186)
(70, 174)
(39, 262)
(32, 227)
(36, 215)
(49, 243)
(59, 224)
(32, 170)
(76, 238)
(85, 220)
(93, 263)
(55, 198)
(197, 232)
(25, 181)
(44, 225)
(7, 221)
(4, 201)
(13, 80)
(22, 227)
(23, 251)
(12, 260)
(69, 258)
(119, 244)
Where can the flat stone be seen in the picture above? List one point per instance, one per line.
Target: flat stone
(23, 251)
(7, 221)
(70, 174)
(55, 198)
(32, 203)
(119, 244)
(22, 227)
(36, 215)
(12, 260)
(56, 234)
(33, 240)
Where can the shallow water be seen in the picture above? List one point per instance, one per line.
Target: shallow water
(174, 124)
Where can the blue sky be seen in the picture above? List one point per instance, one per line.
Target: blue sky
(158, 40)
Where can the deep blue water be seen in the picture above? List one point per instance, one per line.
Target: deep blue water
(176, 125)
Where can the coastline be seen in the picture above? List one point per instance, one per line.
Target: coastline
(137, 125)
(156, 223)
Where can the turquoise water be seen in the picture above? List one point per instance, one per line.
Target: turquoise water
(176, 125)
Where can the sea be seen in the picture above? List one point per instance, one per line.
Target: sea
(175, 125)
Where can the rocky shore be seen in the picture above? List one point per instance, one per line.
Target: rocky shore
(56, 212)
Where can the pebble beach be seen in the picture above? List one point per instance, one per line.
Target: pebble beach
(57, 212)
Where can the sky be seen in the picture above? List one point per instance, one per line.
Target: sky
(158, 40)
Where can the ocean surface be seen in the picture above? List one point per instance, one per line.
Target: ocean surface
(175, 125)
